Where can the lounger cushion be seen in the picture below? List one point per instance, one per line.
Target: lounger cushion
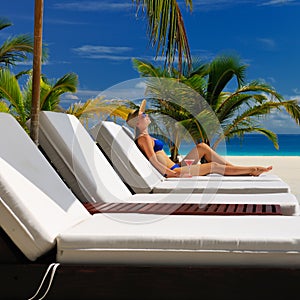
(128, 131)
(204, 240)
(35, 204)
(221, 186)
(79, 154)
(135, 169)
(139, 173)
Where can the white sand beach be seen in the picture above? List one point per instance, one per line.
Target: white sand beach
(286, 167)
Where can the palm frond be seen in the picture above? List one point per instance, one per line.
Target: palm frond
(293, 109)
(146, 69)
(16, 49)
(166, 29)
(227, 108)
(102, 108)
(4, 23)
(50, 93)
(4, 107)
(256, 86)
(221, 71)
(10, 90)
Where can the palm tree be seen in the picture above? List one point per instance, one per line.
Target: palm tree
(166, 29)
(19, 100)
(238, 112)
(16, 49)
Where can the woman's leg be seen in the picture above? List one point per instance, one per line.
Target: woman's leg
(203, 150)
(213, 167)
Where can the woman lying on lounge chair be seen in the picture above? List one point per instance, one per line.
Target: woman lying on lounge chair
(153, 150)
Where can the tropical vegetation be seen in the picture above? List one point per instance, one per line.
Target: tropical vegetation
(238, 111)
(166, 31)
(19, 99)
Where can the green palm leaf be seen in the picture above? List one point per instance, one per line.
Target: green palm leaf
(166, 29)
(4, 107)
(4, 23)
(50, 93)
(221, 71)
(10, 90)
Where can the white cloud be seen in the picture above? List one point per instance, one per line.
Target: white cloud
(141, 85)
(208, 5)
(103, 52)
(280, 121)
(94, 6)
(70, 96)
(267, 43)
(296, 91)
(81, 95)
(90, 49)
(278, 2)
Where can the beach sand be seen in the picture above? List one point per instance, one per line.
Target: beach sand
(286, 167)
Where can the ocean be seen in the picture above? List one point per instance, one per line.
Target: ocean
(255, 145)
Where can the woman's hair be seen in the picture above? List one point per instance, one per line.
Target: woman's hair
(132, 118)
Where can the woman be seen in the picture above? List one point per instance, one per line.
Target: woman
(153, 150)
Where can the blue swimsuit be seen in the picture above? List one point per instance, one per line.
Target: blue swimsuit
(158, 146)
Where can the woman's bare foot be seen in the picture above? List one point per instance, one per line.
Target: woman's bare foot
(260, 170)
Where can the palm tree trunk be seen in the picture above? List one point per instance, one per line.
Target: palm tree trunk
(36, 75)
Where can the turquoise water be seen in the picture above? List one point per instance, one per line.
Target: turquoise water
(256, 145)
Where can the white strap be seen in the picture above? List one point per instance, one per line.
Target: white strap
(54, 266)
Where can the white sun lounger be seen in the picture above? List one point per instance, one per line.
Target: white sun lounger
(117, 144)
(90, 176)
(37, 211)
(74, 154)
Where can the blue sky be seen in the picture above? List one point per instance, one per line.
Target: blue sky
(98, 39)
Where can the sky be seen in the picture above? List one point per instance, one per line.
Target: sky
(98, 39)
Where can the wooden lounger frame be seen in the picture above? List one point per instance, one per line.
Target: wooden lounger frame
(20, 279)
(185, 209)
(75, 282)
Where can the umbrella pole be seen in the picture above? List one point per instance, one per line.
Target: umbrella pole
(36, 73)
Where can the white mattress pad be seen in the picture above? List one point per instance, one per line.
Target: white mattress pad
(195, 240)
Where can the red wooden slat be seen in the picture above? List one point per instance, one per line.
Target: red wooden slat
(167, 208)
(231, 208)
(240, 209)
(212, 208)
(193, 207)
(249, 208)
(268, 209)
(278, 209)
(259, 209)
(203, 207)
(136, 208)
(112, 207)
(102, 205)
(184, 209)
(147, 207)
(155, 208)
(221, 208)
(107, 207)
